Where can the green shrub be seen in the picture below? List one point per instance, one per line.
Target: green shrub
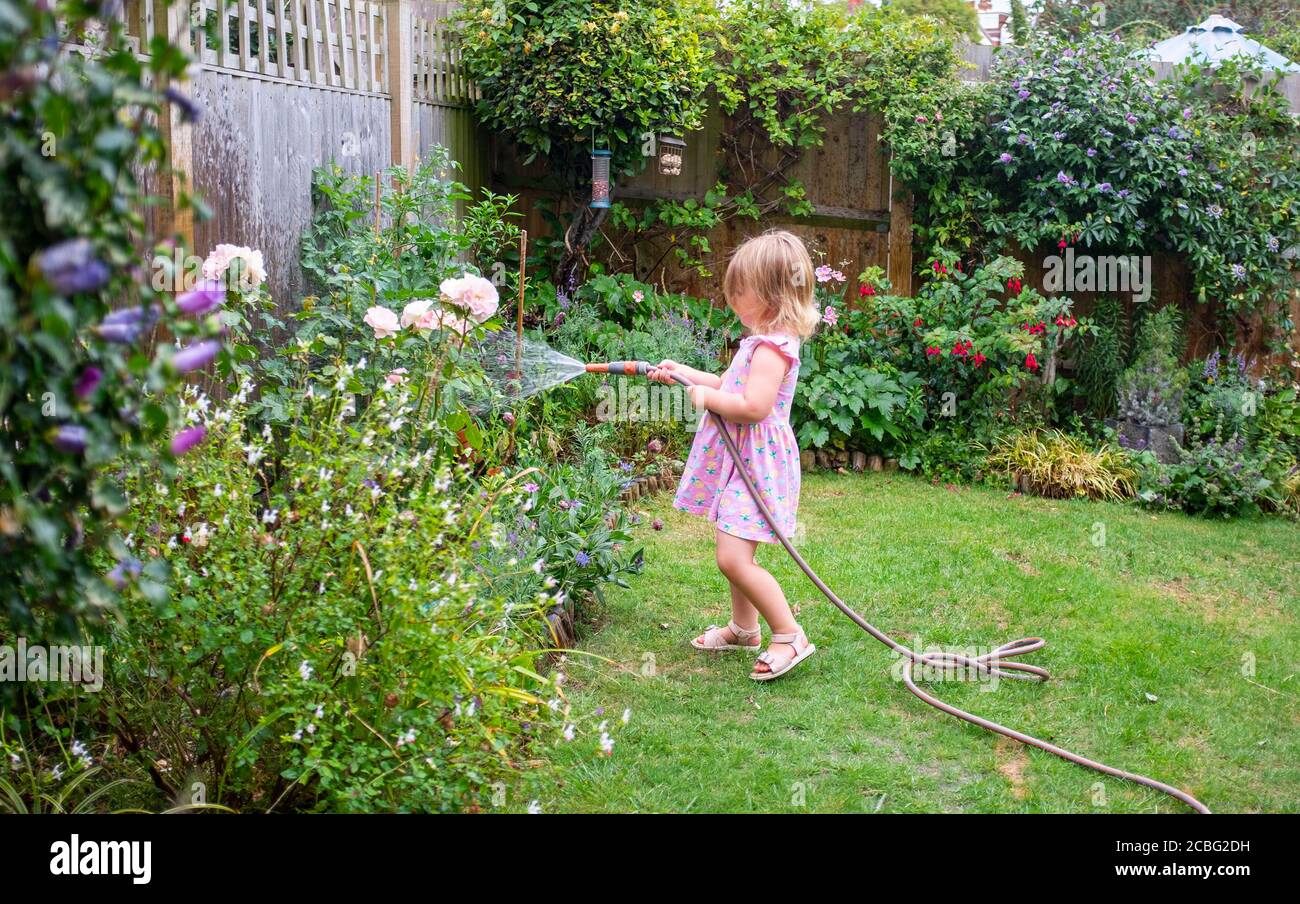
(1060, 466)
(335, 640)
(1216, 476)
(1151, 389)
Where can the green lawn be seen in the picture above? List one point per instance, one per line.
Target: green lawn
(1168, 606)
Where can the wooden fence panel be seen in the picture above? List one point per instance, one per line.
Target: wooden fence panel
(254, 155)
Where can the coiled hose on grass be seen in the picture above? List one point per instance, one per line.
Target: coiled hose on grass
(997, 662)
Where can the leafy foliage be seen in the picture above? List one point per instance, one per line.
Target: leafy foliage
(1087, 146)
(81, 387)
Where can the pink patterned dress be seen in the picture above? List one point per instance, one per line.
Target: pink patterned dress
(710, 485)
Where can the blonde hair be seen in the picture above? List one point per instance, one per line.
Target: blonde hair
(775, 266)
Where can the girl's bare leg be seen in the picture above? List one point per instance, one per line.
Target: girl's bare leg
(757, 587)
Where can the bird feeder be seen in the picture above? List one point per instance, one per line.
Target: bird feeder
(600, 178)
(672, 153)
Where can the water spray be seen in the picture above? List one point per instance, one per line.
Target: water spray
(999, 662)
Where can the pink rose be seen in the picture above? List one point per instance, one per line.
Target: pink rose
(473, 294)
(415, 311)
(383, 322)
(252, 271)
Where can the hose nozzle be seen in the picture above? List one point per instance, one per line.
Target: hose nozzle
(624, 368)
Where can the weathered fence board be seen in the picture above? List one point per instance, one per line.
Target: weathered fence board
(254, 156)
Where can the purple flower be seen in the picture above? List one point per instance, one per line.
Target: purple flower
(88, 382)
(582, 558)
(1130, 119)
(190, 111)
(1104, 186)
(531, 487)
(1022, 138)
(70, 438)
(125, 570)
(196, 355)
(125, 326)
(1006, 158)
(187, 439)
(71, 267)
(1211, 369)
(1091, 152)
(202, 298)
(1023, 93)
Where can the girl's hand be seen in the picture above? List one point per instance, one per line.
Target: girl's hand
(661, 372)
(700, 396)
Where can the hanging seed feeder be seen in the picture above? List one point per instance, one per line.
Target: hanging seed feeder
(672, 154)
(600, 178)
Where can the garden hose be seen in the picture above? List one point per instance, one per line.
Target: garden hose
(995, 663)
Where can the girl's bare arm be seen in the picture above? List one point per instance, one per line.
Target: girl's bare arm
(766, 371)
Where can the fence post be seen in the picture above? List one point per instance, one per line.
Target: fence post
(178, 219)
(900, 239)
(399, 51)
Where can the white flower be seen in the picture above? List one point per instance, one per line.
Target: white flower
(269, 515)
(627, 716)
(568, 732)
(606, 744)
(305, 670)
(534, 808)
(537, 566)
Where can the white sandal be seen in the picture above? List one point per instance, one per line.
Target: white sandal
(714, 643)
(802, 649)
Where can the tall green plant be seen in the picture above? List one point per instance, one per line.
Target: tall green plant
(81, 389)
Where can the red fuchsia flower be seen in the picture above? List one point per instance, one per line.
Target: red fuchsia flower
(1059, 321)
(1031, 362)
(865, 290)
(940, 267)
(979, 358)
(1071, 322)
(932, 350)
(959, 350)
(1014, 285)
(1061, 243)
(918, 323)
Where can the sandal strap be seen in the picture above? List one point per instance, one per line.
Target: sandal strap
(787, 638)
(741, 633)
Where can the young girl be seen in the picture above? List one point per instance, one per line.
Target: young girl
(769, 284)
